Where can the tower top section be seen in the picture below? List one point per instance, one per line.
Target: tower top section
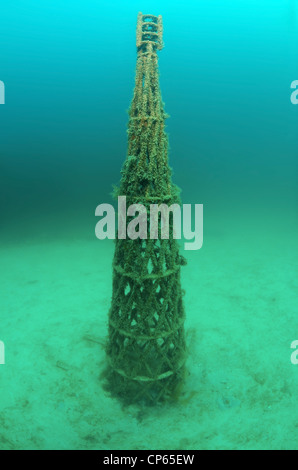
(149, 31)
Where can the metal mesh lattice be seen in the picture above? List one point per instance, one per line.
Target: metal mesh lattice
(146, 345)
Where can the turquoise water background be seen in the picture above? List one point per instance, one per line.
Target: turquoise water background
(225, 73)
(69, 71)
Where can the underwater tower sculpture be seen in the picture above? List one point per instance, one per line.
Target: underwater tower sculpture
(146, 344)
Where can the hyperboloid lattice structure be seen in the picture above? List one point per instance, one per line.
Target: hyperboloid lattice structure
(146, 344)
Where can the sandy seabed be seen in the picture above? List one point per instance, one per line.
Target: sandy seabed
(241, 307)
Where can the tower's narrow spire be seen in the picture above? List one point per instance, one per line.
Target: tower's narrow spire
(146, 344)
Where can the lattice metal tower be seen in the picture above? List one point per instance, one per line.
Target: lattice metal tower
(146, 344)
